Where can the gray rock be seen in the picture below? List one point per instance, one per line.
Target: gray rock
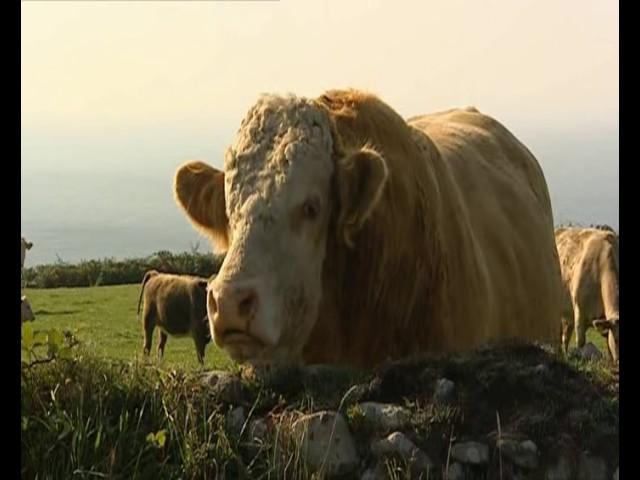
(522, 454)
(471, 453)
(590, 352)
(211, 378)
(376, 472)
(456, 472)
(561, 470)
(228, 388)
(398, 444)
(591, 468)
(234, 421)
(578, 417)
(445, 392)
(355, 393)
(326, 443)
(257, 430)
(256, 433)
(541, 369)
(385, 416)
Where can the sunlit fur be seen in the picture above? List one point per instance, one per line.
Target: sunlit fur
(437, 232)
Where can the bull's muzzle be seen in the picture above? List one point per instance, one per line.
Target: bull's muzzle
(231, 309)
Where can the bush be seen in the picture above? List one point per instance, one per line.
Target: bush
(108, 271)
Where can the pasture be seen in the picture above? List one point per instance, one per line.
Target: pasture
(104, 321)
(105, 414)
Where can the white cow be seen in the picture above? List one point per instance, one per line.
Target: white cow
(26, 313)
(24, 246)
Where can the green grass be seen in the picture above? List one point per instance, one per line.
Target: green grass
(105, 414)
(104, 321)
(592, 336)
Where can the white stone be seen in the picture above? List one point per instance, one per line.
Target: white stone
(591, 468)
(326, 442)
(385, 416)
(471, 453)
(375, 473)
(561, 470)
(523, 454)
(445, 392)
(456, 472)
(397, 443)
(235, 420)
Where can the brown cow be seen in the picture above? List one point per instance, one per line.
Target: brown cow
(177, 305)
(589, 262)
(353, 236)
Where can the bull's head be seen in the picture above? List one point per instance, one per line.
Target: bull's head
(287, 186)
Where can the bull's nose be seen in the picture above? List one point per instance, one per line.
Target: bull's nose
(232, 309)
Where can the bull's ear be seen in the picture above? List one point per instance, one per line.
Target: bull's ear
(603, 326)
(361, 177)
(199, 191)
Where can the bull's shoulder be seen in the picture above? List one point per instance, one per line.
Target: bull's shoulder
(470, 117)
(592, 235)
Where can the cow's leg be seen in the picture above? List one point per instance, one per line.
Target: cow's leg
(581, 326)
(162, 340)
(199, 340)
(567, 330)
(148, 327)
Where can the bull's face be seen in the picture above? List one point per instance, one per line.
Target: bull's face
(285, 188)
(610, 329)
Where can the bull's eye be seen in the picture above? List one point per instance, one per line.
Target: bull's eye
(311, 209)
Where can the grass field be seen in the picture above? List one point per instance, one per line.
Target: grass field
(93, 417)
(104, 320)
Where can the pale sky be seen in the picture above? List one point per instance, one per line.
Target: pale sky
(114, 63)
(144, 84)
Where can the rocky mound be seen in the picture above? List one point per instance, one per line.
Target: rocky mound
(512, 411)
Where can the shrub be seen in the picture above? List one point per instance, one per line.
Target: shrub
(109, 271)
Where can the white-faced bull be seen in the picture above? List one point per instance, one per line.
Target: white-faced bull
(353, 235)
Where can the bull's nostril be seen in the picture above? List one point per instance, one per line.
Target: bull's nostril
(246, 305)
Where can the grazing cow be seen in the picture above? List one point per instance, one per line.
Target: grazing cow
(24, 246)
(177, 305)
(353, 236)
(26, 313)
(589, 263)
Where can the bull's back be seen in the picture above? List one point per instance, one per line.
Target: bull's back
(506, 220)
(171, 299)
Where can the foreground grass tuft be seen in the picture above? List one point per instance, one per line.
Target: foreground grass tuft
(91, 418)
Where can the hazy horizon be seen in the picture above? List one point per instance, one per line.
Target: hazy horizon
(116, 95)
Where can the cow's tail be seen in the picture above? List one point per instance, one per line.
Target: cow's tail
(145, 279)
